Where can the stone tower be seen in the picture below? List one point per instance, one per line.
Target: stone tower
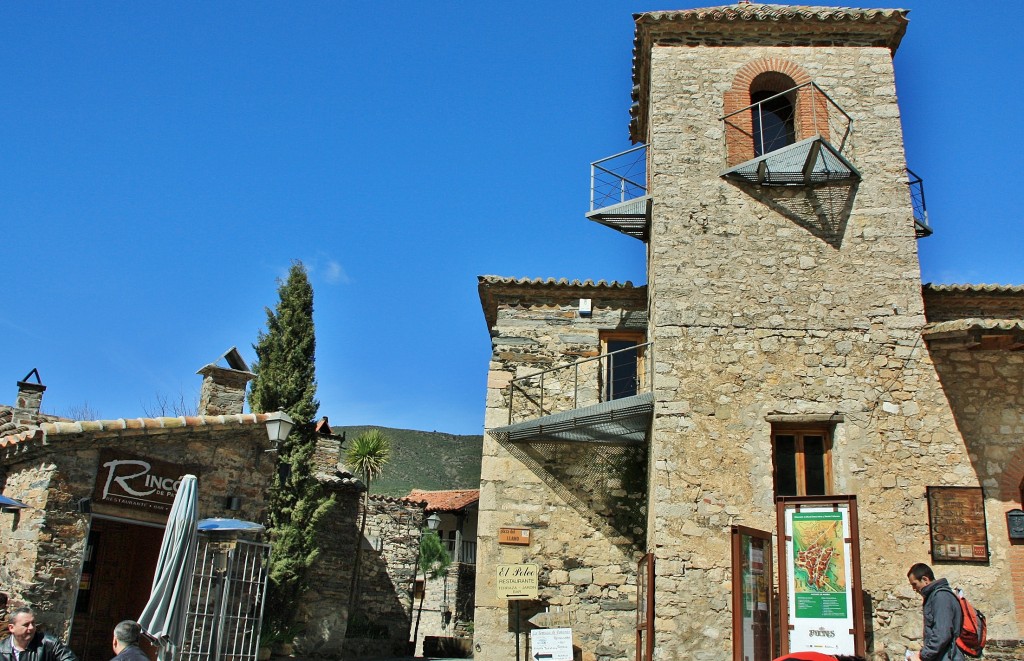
(782, 348)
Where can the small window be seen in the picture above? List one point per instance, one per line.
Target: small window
(621, 369)
(802, 462)
(772, 117)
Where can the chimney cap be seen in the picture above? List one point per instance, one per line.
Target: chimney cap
(24, 384)
(235, 364)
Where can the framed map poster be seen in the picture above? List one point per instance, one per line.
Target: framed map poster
(820, 596)
(956, 519)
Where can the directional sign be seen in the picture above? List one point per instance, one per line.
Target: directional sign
(551, 645)
(514, 536)
(550, 620)
(517, 581)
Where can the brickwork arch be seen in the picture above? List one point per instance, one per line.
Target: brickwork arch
(771, 74)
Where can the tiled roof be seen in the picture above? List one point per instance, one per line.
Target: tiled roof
(553, 282)
(494, 289)
(755, 24)
(974, 289)
(23, 439)
(966, 325)
(445, 501)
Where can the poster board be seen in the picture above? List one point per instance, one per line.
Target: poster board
(753, 618)
(820, 597)
(956, 524)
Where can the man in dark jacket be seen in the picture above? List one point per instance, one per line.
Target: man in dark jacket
(126, 642)
(942, 615)
(26, 643)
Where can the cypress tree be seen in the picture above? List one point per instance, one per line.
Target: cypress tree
(286, 380)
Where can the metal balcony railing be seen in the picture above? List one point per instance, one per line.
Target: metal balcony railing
(602, 378)
(618, 178)
(797, 137)
(921, 226)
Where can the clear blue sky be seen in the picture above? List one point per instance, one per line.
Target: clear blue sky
(162, 163)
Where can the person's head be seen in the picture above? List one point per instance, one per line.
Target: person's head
(22, 626)
(126, 634)
(920, 575)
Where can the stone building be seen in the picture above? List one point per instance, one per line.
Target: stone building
(784, 351)
(84, 551)
(446, 617)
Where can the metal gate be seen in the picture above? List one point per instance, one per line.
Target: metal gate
(225, 610)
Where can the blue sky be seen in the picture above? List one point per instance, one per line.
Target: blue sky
(162, 163)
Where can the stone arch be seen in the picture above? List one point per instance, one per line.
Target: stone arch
(769, 74)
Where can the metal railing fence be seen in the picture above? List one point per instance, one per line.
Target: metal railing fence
(618, 178)
(599, 382)
(814, 113)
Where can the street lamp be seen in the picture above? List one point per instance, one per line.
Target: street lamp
(433, 521)
(279, 425)
(223, 538)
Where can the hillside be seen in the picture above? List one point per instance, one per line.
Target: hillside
(425, 460)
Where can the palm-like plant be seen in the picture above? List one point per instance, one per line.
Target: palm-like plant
(367, 456)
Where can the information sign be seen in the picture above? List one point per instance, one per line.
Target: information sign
(956, 516)
(517, 581)
(551, 645)
(514, 536)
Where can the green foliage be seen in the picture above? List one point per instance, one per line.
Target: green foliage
(286, 380)
(368, 454)
(426, 460)
(434, 557)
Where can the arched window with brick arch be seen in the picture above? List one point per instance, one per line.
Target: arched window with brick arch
(767, 109)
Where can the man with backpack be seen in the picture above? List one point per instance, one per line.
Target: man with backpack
(943, 617)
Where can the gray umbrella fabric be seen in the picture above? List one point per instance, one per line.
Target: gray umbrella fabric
(163, 618)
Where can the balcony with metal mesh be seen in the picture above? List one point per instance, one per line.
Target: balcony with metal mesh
(799, 137)
(618, 193)
(605, 399)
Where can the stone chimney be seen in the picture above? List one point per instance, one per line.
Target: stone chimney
(30, 398)
(223, 390)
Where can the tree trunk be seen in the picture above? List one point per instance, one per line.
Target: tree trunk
(359, 551)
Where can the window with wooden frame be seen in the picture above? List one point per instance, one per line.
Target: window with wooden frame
(622, 369)
(802, 461)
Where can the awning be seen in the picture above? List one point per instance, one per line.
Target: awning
(619, 422)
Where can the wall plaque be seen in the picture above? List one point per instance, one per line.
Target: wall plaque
(515, 536)
(956, 517)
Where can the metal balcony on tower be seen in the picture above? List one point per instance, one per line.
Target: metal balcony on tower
(793, 138)
(618, 193)
(606, 399)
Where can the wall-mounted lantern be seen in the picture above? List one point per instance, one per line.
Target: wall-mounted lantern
(1015, 523)
(433, 521)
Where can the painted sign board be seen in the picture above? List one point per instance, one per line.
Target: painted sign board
(551, 620)
(956, 517)
(517, 581)
(551, 644)
(819, 571)
(137, 482)
(514, 536)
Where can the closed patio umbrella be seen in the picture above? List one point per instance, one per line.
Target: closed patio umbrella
(163, 618)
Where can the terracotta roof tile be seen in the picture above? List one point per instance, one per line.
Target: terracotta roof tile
(15, 441)
(445, 501)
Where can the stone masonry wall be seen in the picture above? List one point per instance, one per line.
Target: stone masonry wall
(381, 624)
(42, 557)
(584, 505)
(768, 301)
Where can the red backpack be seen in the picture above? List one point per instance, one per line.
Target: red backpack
(974, 630)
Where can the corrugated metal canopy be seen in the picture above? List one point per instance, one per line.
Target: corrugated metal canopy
(619, 422)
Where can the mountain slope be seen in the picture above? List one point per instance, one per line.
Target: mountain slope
(424, 460)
